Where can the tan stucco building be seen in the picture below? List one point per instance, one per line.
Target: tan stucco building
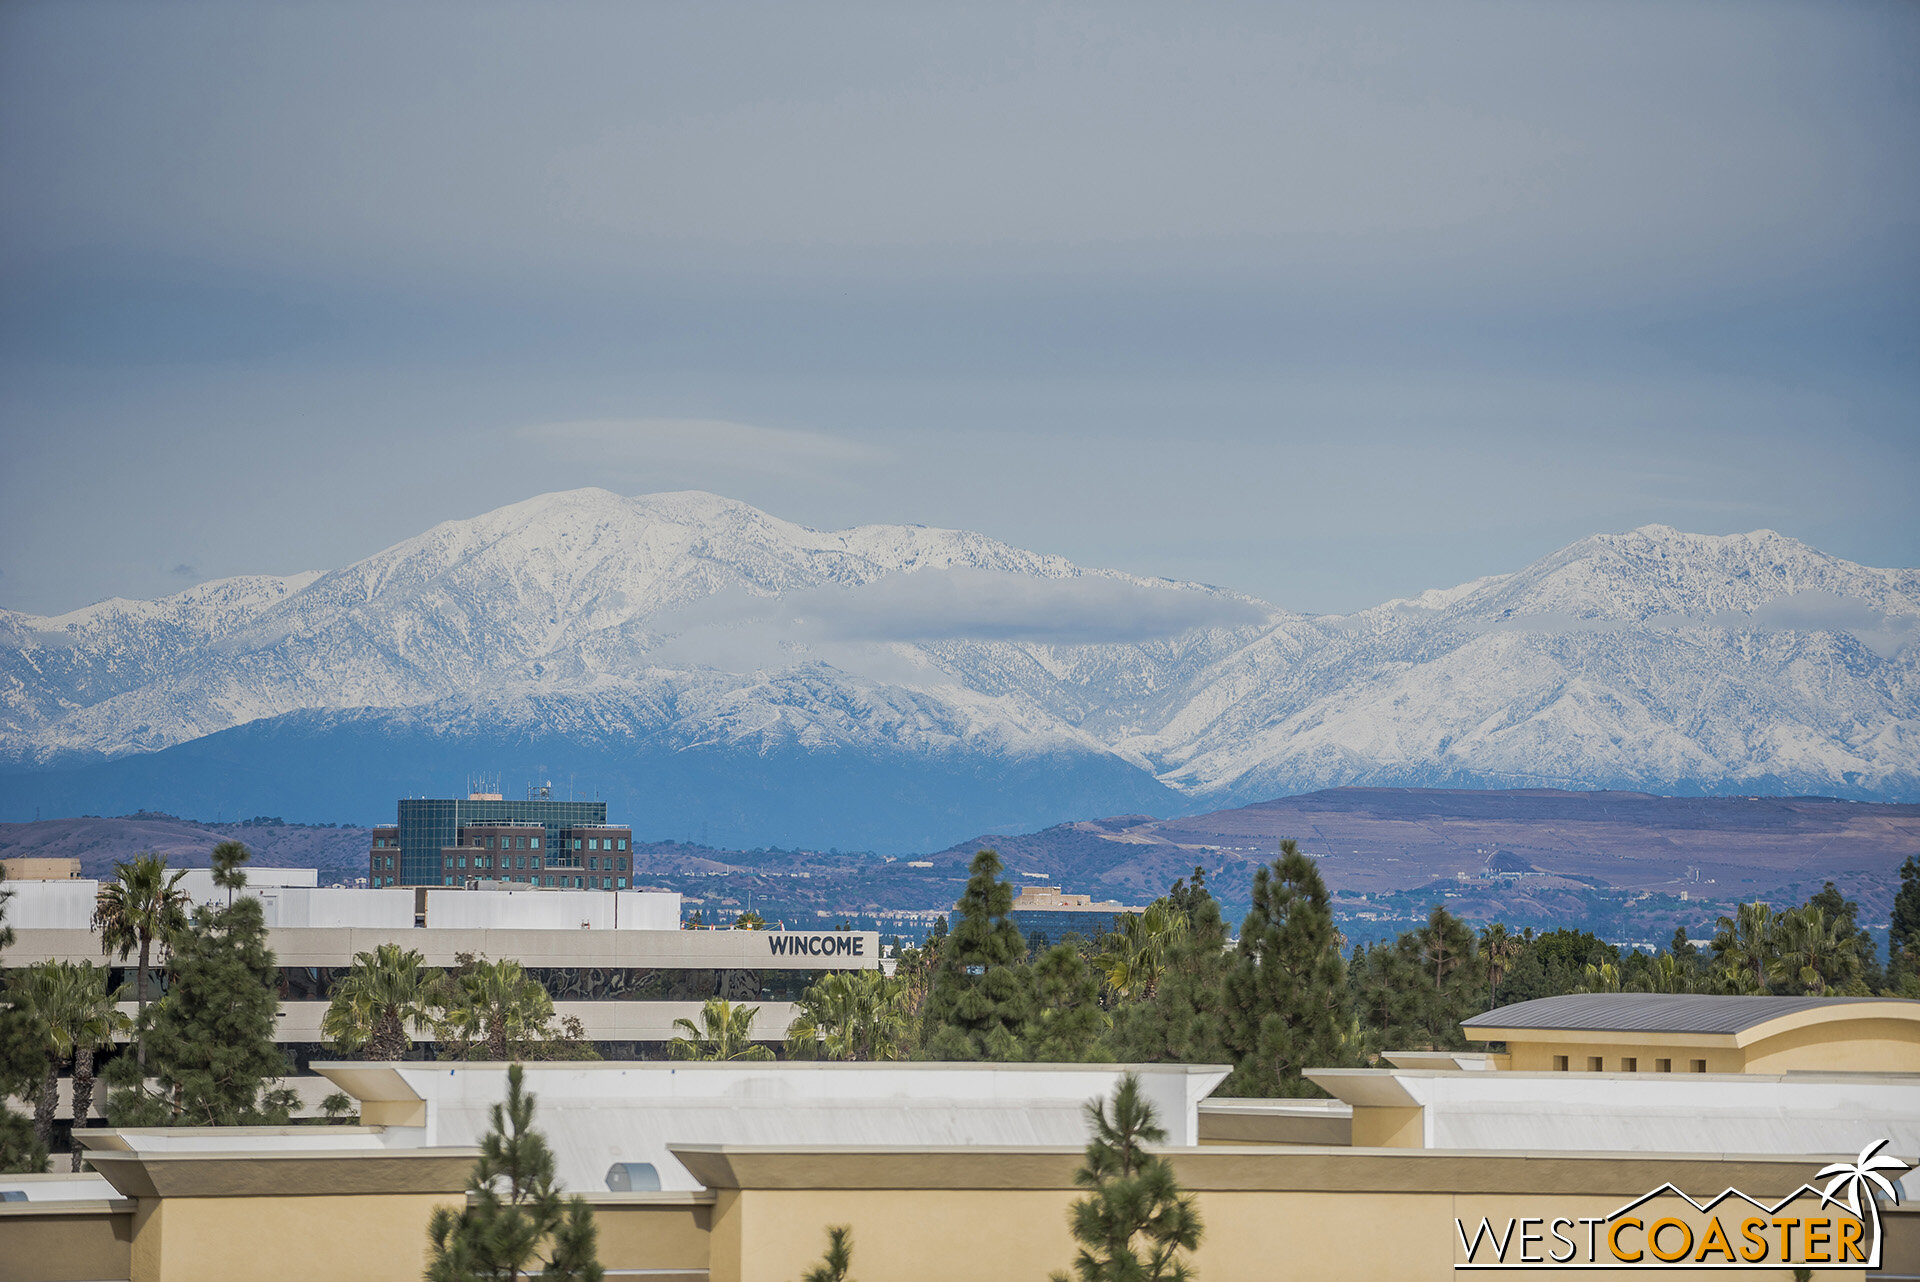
(756, 1160)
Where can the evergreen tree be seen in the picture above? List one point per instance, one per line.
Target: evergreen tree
(1064, 1020)
(1286, 992)
(1413, 993)
(1185, 1019)
(21, 1152)
(978, 1004)
(212, 1045)
(839, 1257)
(515, 1212)
(1135, 1221)
(1903, 928)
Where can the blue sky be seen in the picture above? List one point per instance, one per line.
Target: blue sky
(1326, 303)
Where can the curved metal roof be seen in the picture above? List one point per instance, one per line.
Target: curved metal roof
(1658, 1012)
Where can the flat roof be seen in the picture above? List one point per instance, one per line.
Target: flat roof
(1658, 1012)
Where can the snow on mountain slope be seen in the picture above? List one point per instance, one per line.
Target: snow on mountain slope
(687, 622)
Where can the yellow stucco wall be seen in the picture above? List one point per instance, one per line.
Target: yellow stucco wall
(1538, 1056)
(652, 1235)
(376, 1237)
(1375, 1127)
(1806, 1041)
(52, 1243)
(1857, 1046)
(962, 1235)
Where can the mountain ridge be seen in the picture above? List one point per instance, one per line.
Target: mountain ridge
(608, 631)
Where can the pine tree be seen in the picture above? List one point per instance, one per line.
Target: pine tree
(1903, 929)
(212, 1045)
(1185, 1019)
(21, 1037)
(1135, 1220)
(1287, 990)
(515, 1212)
(980, 988)
(1064, 1020)
(839, 1257)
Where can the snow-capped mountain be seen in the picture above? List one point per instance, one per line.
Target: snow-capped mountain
(702, 663)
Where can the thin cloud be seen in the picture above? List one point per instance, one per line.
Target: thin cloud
(652, 444)
(931, 606)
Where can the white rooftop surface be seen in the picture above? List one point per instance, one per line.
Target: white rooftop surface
(290, 899)
(595, 1115)
(1746, 1113)
(492, 908)
(60, 1188)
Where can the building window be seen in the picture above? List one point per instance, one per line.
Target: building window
(463, 861)
(1593, 1064)
(593, 843)
(549, 881)
(623, 883)
(593, 862)
(1559, 1063)
(623, 867)
(1629, 1064)
(536, 843)
(449, 881)
(1663, 1066)
(536, 861)
(1699, 1066)
(623, 846)
(576, 843)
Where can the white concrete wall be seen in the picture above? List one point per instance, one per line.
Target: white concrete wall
(50, 905)
(198, 883)
(530, 909)
(596, 1114)
(335, 906)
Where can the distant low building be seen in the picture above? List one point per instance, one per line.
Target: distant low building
(37, 868)
(1046, 916)
(484, 838)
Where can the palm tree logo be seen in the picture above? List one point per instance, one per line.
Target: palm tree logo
(1858, 1180)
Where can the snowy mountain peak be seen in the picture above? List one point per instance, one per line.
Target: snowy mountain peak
(688, 623)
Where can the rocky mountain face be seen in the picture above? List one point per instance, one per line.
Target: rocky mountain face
(714, 671)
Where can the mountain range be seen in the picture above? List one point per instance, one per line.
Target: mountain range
(716, 673)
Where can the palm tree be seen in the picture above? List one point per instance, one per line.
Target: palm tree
(1133, 962)
(491, 1004)
(725, 1032)
(1500, 949)
(1669, 975)
(851, 1015)
(1744, 946)
(1816, 953)
(1604, 978)
(378, 998)
(75, 1014)
(142, 906)
(1860, 1178)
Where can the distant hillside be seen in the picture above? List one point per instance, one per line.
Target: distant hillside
(338, 852)
(1533, 855)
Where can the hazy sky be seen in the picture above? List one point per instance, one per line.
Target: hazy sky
(1324, 303)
